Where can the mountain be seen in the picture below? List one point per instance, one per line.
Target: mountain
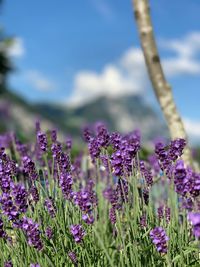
(121, 114)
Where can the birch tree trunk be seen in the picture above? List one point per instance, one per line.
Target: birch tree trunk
(161, 88)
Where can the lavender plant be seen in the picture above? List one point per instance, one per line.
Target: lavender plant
(100, 209)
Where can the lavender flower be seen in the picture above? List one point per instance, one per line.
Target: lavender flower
(176, 148)
(64, 162)
(78, 232)
(117, 163)
(153, 161)
(20, 194)
(115, 140)
(73, 257)
(112, 195)
(167, 214)
(42, 141)
(187, 203)
(29, 168)
(160, 212)
(86, 198)
(112, 215)
(33, 233)
(103, 136)
(2, 232)
(143, 220)
(34, 265)
(194, 184)
(162, 155)
(194, 218)
(49, 204)
(147, 173)
(49, 232)
(94, 148)
(180, 178)
(34, 193)
(8, 264)
(89, 219)
(66, 185)
(159, 238)
(53, 135)
(68, 143)
(56, 150)
(8, 208)
(146, 196)
(87, 134)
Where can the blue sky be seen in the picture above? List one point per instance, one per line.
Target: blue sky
(71, 51)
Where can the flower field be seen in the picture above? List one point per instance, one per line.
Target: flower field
(102, 207)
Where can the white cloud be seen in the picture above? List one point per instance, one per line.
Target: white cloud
(39, 81)
(188, 46)
(177, 66)
(16, 49)
(186, 51)
(128, 74)
(192, 128)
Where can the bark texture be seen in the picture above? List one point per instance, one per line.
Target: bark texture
(161, 88)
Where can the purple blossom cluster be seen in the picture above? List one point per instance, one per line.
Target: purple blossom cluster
(77, 232)
(2, 231)
(194, 218)
(73, 257)
(42, 141)
(159, 239)
(122, 160)
(32, 232)
(86, 199)
(49, 204)
(66, 183)
(167, 155)
(147, 173)
(187, 182)
(29, 168)
(72, 206)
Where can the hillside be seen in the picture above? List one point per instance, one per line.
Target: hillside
(122, 114)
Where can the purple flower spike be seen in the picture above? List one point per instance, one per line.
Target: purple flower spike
(159, 238)
(143, 220)
(89, 219)
(112, 215)
(66, 185)
(103, 136)
(29, 168)
(147, 173)
(78, 232)
(42, 141)
(180, 178)
(34, 265)
(53, 135)
(34, 194)
(167, 214)
(8, 264)
(49, 232)
(2, 232)
(160, 212)
(33, 233)
(194, 218)
(176, 148)
(49, 204)
(20, 197)
(73, 257)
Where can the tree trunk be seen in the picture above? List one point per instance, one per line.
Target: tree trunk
(161, 88)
